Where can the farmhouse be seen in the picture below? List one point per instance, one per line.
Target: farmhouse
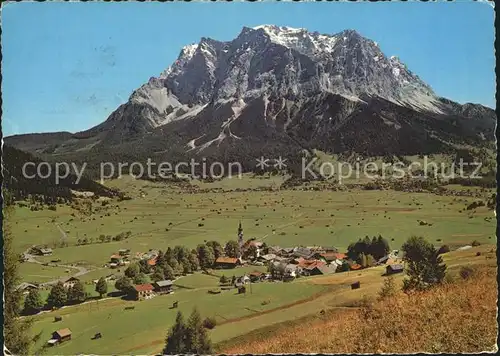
(314, 268)
(257, 276)
(42, 251)
(26, 287)
(60, 336)
(163, 287)
(116, 259)
(226, 262)
(70, 282)
(392, 269)
(292, 271)
(124, 252)
(267, 258)
(142, 291)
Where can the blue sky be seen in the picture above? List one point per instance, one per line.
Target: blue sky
(67, 66)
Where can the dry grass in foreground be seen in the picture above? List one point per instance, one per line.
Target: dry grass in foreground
(455, 317)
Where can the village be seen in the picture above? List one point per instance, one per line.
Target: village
(282, 264)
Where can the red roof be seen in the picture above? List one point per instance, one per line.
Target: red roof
(226, 260)
(143, 287)
(355, 266)
(152, 262)
(340, 256)
(63, 332)
(315, 264)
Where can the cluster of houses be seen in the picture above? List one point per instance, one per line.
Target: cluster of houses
(124, 256)
(291, 262)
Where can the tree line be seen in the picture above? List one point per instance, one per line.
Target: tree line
(367, 251)
(60, 296)
(175, 262)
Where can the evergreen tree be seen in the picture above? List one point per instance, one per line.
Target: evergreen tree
(16, 331)
(140, 278)
(380, 248)
(194, 261)
(175, 341)
(168, 273)
(424, 266)
(205, 256)
(388, 288)
(169, 256)
(174, 264)
(223, 280)
(160, 259)
(181, 253)
(132, 270)
(157, 275)
(123, 284)
(197, 340)
(58, 296)
(144, 267)
(186, 266)
(101, 287)
(232, 249)
(216, 248)
(76, 294)
(33, 302)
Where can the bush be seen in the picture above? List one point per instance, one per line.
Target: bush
(466, 272)
(209, 323)
(475, 243)
(388, 288)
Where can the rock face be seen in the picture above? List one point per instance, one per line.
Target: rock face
(279, 89)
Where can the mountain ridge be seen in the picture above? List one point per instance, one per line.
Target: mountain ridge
(282, 87)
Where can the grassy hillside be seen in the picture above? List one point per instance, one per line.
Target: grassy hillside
(456, 317)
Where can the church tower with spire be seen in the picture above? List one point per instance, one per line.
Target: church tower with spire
(240, 238)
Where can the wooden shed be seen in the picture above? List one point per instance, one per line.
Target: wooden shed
(391, 269)
(60, 336)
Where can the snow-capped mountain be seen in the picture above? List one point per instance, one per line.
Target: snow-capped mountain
(285, 88)
(269, 60)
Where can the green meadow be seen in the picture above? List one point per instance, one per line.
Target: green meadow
(161, 216)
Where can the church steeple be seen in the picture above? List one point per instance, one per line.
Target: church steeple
(240, 236)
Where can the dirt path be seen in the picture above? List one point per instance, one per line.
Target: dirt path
(81, 270)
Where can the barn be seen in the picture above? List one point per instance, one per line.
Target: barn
(392, 269)
(60, 336)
